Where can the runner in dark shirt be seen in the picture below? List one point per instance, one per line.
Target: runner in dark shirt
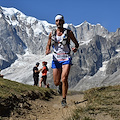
(36, 74)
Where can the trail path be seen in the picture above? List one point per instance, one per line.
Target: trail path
(52, 109)
(55, 111)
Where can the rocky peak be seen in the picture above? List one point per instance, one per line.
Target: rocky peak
(118, 31)
(19, 32)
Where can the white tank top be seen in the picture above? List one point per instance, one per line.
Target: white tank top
(61, 52)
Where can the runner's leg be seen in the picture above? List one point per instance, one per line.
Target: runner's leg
(57, 75)
(44, 81)
(36, 81)
(40, 83)
(65, 73)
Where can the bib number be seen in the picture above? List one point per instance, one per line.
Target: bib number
(62, 56)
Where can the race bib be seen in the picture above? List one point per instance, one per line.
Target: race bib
(61, 56)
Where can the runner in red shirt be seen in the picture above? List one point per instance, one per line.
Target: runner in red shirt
(44, 75)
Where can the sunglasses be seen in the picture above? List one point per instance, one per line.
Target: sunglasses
(59, 20)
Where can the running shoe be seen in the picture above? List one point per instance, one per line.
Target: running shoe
(64, 103)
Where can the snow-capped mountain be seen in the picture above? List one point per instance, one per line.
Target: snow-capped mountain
(23, 40)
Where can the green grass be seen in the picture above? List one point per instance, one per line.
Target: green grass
(9, 88)
(12, 93)
(100, 101)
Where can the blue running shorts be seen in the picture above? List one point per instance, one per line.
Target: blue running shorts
(58, 64)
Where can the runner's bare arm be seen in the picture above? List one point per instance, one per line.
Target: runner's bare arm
(48, 45)
(40, 69)
(43, 69)
(72, 37)
(37, 71)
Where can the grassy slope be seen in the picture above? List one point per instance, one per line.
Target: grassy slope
(12, 93)
(103, 101)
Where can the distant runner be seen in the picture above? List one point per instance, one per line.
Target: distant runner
(44, 75)
(36, 74)
(59, 39)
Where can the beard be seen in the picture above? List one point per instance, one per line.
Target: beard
(59, 26)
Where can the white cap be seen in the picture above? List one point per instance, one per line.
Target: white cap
(59, 17)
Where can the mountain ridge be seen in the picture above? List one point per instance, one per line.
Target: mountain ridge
(21, 38)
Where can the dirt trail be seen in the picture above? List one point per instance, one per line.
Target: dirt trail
(56, 112)
(50, 110)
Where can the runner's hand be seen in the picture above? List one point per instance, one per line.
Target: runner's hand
(40, 69)
(74, 50)
(47, 52)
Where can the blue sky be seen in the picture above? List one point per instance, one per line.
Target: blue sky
(105, 12)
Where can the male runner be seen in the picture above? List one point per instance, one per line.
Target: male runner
(59, 39)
